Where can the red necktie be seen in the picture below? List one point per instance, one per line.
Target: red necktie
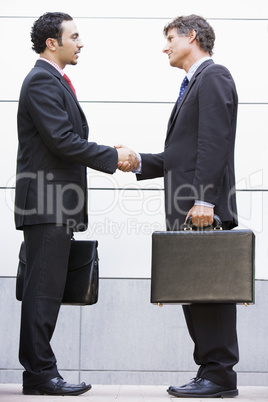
(70, 83)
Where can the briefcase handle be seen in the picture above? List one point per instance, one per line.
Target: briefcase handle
(216, 225)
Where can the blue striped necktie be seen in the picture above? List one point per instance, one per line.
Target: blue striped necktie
(182, 89)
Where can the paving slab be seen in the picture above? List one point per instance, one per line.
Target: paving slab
(126, 393)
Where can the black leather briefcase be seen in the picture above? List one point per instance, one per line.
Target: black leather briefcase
(82, 283)
(214, 266)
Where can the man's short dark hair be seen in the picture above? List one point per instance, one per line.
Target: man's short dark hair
(47, 26)
(205, 35)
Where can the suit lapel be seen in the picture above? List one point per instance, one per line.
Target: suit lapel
(69, 89)
(55, 72)
(176, 111)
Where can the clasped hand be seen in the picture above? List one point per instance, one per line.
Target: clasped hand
(127, 159)
(202, 216)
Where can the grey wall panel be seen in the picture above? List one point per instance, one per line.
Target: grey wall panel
(123, 222)
(120, 63)
(123, 339)
(127, 89)
(140, 9)
(142, 126)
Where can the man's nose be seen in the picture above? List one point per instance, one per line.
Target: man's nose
(165, 48)
(80, 44)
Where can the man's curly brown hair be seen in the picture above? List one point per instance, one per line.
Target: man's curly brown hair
(47, 26)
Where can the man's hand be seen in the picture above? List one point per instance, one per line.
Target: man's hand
(127, 159)
(201, 216)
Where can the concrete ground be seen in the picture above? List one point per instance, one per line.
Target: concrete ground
(126, 393)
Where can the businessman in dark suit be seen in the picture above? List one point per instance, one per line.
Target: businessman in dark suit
(198, 169)
(51, 193)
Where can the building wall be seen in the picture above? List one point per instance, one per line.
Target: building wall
(124, 339)
(127, 90)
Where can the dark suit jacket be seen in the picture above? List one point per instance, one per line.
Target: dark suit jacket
(198, 160)
(54, 152)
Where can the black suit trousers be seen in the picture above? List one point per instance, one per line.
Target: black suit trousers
(212, 327)
(47, 254)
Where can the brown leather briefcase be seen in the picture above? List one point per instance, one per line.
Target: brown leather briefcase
(214, 266)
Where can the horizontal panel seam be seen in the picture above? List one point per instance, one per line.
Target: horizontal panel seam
(145, 189)
(134, 102)
(137, 18)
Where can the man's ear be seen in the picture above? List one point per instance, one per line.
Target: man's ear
(50, 42)
(192, 36)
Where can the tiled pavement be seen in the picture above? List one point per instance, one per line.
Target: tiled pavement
(126, 393)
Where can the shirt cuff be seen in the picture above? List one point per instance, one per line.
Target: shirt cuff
(138, 170)
(204, 204)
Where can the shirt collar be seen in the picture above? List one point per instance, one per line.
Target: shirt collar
(195, 66)
(55, 65)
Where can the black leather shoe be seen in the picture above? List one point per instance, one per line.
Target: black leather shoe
(201, 388)
(56, 386)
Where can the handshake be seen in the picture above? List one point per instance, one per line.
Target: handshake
(127, 159)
